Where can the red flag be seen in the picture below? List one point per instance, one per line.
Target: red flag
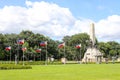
(78, 46)
(61, 45)
(38, 50)
(20, 41)
(24, 49)
(8, 48)
(43, 43)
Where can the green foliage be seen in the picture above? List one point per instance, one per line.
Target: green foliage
(13, 66)
(33, 40)
(72, 41)
(112, 52)
(43, 63)
(79, 38)
(109, 49)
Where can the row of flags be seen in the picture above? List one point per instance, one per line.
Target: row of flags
(8, 48)
(44, 43)
(61, 45)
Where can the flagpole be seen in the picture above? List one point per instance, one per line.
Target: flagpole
(18, 54)
(10, 55)
(46, 55)
(40, 56)
(23, 58)
(59, 53)
(64, 56)
(15, 59)
(80, 55)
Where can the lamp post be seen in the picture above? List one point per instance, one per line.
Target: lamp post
(8, 49)
(39, 51)
(44, 44)
(46, 56)
(17, 56)
(24, 49)
(23, 58)
(80, 55)
(19, 42)
(79, 48)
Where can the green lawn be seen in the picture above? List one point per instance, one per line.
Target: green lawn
(65, 72)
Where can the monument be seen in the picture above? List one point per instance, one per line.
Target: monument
(92, 53)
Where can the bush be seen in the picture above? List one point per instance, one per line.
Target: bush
(12, 66)
(42, 63)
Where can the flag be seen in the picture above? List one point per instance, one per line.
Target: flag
(78, 46)
(8, 48)
(61, 45)
(20, 41)
(24, 49)
(38, 50)
(43, 43)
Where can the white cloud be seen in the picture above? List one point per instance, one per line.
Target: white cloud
(54, 21)
(47, 18)
(109, 29)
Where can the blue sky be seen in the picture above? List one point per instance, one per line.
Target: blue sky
(68, 16)
(91, 9)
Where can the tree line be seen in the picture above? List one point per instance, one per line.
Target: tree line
(32, 41)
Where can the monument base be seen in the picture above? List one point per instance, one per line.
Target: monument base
(92, 55)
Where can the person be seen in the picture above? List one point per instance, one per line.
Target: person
(52, 59)
(86, 60)
(113, 60)
(63, 60)
(106, 60)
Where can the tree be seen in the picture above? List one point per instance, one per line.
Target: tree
(82, 39)
(70, 43)
(109, 49)
(33, 40)
(66, 39)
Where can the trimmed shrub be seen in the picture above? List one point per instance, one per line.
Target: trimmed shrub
(11, 66)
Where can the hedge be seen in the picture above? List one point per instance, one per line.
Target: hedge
(13, 66)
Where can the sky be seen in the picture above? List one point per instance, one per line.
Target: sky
(58, 18)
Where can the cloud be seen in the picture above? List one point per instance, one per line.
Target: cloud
(46, 18)
(54, 21)
(108, 29)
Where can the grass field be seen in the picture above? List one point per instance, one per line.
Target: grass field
(65, 72)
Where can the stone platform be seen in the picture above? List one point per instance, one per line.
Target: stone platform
(92, 55)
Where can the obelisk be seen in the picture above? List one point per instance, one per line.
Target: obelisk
(92, 34)
(92, 54)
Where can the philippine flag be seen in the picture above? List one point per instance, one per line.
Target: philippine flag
(61, 45)
(20, 41)
(38, 50)
(8, 48)
(43, 43)
(78, 46)
(24, 49)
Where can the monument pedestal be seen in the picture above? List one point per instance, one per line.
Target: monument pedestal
(92, 55)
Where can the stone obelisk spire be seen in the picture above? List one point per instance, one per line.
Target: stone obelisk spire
(92, 34)
(92, 53)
